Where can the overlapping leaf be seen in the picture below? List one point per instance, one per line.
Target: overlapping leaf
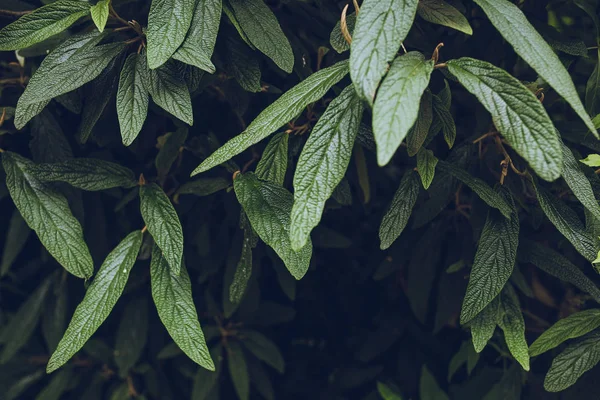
(395, 219)
(132, 97)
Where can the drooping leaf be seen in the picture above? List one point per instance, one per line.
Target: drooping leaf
(132, 97)
(274, 160)
(243, 270)
(417, 136)
(238, 369)
(163, 224)
(203, 186)
(323, 163)
(513, 326)
(484, 324)
(198, 46)
(49, 143)
(442, 112)
(99, 13)
(268, 207)
(381, 27)
(243, 64)
(398, 101)
(99, 300)
(47, 212)
(516, 112)
(510, 21)
(169, 151)
(395, 219)
(264, 349)
(579, 183)
(426, 163)
(17, 235)
(172, 294)
(131, 335)
(168, 24)
(441, 13)
(284, 109)
(42, 23)
(206, 380)
(170, 92)
(336, 39)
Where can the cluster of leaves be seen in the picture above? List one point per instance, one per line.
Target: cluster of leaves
(466, 207)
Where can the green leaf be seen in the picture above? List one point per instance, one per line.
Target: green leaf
(238, 369)
(484, 324)
(426, 163)
(47, 213)
(172, 294)
(243, 270)
(486, 193)
(323, 163)
(398, 101)
(264, 349)
(42, 23)
(513, 326)
(516, 112)
(274, 160)
(417, 135)
(131, 335)
(16, 237)
(168, 24)
(169, 151)
(429, 388)
(163, 224)
(284, 109)
(387, 392)
(381, 27)
(441, 13)
(592, 160)
(205, 380)
(49, 143)
(198, 46)
(395, 219)
(494, 260)
(170, 92)
(99, 300)
(263, 30)
(56, 76)
(573, 362)
(132, 97)
(571, 327)
(59, 384)
(592, 90)
(510, 21)
(85, 173)
(99, 13)
(578, 182)
(567, 222)
(268, 207)
(25, 113)
(336, 39)
(54, 318)
(203, 186)
(442, 112)
(243, 64)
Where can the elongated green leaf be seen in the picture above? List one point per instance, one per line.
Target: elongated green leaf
(513, 326)
(25, 112)
(238, 369)
(168, 24)
(206, 380)
(426, 163)
(323, 163)
(99, 13)
(243, 64)
(172, 294)
(163, 224)
(99, 300)
(510, 21)
(132, 97)
(264, 349)
(243, 270)
(494, 260)
(17, 235)
(579, 183)
(573, 362)
(54, 318)
(381, 27)
(486, 193)
(262, 29)
(441, 13)
(395, 219)
(49, 143)
(170, 92)
(284, 109)
(274, 160)
(567, 222)
(47, 213)
(198, 46)
(388, 392)
(59, 384)
(516, 112)
(398, 101)
(592, 90)
(574, 326)
(203, 186)
(418, 134)
(42, 23)
(85, 173)
(132, 334)
(336, 39)
(484, 324)
(442, 112)
(268, 207)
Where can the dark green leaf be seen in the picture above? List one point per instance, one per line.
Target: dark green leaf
(131, 335)
(238, 369)
(513, 326)
(426, 163)
(132, 97)
(170, 92)
(274, 160)
(16, 237)
(441, 13)
(206, 380)
(264, 349)
(420, 130)
(336, 39)
(169, 151)
(395, 219)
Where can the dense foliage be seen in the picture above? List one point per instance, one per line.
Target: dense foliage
(299, 199)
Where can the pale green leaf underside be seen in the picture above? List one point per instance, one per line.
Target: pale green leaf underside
(99, 300)
(323, 163)
(99, 13)
(284, 109)
(516, 112)
(395, 219)
(510, 21)
(380, 28)
(441, 13)
(47, 212)
(132, 97)
(274, 160)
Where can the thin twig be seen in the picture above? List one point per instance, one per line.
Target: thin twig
(14, 14)
(344, 26)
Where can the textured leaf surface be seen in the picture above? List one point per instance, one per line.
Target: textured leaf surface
(47, 213)
(243, 64)
(238, 369)
(274, 160)
(494, 260)
(381, 27)
(571, 327)
(42, 23)
(99, 13)
(336, 39)
(579, 183)
(163, 224)
(418, 134)
(516, 112)
(85, 173)
(243, 271)
(99, 299)
(398, 101)
(426, 163)
(132, 97)
(268, 207)
(170, 92)
(323, 163)
(395, 219)
(441, 13)
(510, 21)
(198, 46)
(262, 29)
(513, 326)
(168, 24)
(284, 109)
(484, 324)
